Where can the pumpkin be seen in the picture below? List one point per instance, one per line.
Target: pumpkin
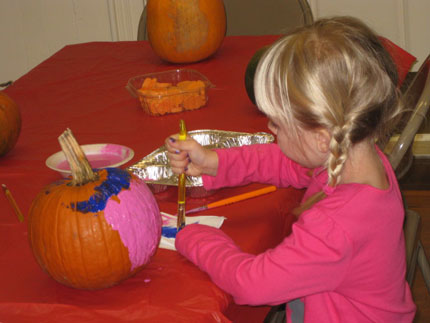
(250, 72)
(10, 123)
(185, 31)
(96, 228)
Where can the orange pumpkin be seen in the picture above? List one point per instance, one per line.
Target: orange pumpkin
(185, 31)
(96, 229)
(10, 123)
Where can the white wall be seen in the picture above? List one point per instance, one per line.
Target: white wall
(33, 30)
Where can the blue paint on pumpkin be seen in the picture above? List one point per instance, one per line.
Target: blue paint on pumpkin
(117, 180)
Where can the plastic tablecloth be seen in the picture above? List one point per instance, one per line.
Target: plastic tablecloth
(82, 87)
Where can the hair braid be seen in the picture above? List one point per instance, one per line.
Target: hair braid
(338, 147)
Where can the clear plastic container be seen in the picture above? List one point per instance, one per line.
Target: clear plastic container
(170, 91)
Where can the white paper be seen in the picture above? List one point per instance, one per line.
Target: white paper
(169, 223)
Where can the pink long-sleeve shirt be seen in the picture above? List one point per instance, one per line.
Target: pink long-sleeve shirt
(345, 257)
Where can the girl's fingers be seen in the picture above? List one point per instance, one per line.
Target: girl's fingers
(179, 153)
(179, 162)
(173, 146)
(177, 170)
(177, 156)
(178, 150)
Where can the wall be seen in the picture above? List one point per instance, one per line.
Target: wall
(32, 30)
(405, 22)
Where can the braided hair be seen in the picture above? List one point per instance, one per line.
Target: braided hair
(334, 74)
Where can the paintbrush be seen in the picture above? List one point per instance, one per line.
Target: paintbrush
(234, 199)
(181, 183)
(13, 203)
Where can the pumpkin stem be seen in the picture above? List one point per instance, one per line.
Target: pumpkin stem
(82, 172)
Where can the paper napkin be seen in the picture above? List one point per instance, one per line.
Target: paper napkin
(168, 233)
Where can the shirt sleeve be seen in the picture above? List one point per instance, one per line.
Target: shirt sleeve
(314, 258)
(262, 163)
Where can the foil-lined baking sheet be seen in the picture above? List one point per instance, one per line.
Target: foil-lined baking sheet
(155, 169)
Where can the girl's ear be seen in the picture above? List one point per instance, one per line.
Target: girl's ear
(323, 138)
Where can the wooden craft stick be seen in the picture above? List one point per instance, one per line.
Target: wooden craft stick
(13, 203)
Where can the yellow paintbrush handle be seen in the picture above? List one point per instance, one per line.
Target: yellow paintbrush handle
(181, 183)
(182, 130)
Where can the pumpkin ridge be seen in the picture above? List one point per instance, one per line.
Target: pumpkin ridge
(68, 277)
(185, 31)
(125, 253)
(189, 38)
(82, 259)
(105, 241)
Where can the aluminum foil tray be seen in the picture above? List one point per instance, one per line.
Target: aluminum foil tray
(155, 169)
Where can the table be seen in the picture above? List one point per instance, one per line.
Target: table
(82, 87)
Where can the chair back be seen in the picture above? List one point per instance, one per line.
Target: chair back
(256, 17)
(417, 100)
(141, 28)
(268, 17)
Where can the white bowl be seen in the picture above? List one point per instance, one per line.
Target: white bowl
(99, 156)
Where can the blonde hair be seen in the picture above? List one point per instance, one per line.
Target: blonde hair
(334, 74)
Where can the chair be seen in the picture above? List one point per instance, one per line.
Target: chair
(6, 84)
(256, 17)
(141, 28)
(417, 100)
(415, 253)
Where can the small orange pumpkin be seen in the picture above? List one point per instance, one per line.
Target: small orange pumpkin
(185, 31)
(10, 123)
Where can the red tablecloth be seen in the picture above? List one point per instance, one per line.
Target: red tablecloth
(82, 87)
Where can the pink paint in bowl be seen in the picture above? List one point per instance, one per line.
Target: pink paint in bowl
(98, 155)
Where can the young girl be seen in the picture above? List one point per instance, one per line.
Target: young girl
(329, 91)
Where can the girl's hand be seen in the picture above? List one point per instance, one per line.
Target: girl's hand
(189, 157)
